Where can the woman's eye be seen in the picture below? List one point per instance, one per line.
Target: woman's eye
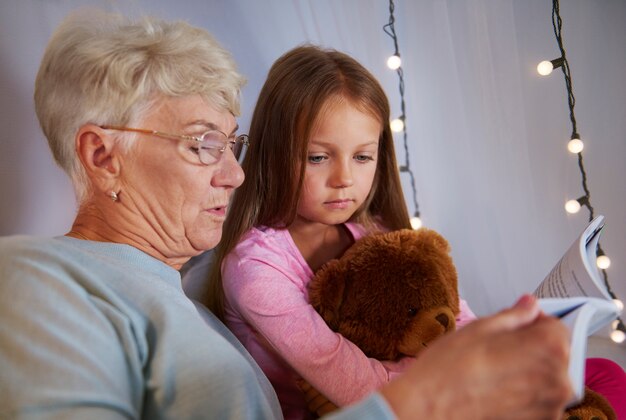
(316, 158)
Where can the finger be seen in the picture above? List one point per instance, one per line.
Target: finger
(524, 312)
(318, 402)
(326, 408)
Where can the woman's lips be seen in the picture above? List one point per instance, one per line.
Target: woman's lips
(217, 211)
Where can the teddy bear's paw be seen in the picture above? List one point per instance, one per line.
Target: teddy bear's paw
(593, 407)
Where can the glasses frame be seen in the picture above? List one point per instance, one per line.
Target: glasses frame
(242, 138)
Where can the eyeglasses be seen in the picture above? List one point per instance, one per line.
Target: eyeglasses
(211, 145)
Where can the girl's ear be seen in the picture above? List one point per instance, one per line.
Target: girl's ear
(98, 155)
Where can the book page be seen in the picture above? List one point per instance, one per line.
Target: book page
(582, 316)
(576, 274)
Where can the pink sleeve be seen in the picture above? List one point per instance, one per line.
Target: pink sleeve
(274, 302)
(465, 316)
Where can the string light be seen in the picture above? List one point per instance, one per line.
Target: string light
(394, 62)
(545, 67)
(398, 124)
(619, 333)
(573, 206)
(576, 146)
(602, 261)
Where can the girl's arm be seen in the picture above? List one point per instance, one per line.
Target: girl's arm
(274, 302)
(465, 316)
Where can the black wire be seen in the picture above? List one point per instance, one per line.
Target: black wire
(390, 30)
(557, 23)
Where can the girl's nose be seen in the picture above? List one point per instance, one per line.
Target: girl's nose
(342, 175)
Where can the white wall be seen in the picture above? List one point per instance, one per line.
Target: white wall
(487, 135)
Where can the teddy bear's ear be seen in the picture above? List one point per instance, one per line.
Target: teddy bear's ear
(434, 238)
(326, 291)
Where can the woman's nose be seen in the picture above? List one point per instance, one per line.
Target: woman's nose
(229, 174)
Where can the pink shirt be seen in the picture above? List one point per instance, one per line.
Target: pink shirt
(265, 283)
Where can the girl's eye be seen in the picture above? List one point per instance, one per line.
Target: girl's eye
(316, 158)
(364, 158)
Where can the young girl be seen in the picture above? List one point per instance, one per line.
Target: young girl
(320, 173)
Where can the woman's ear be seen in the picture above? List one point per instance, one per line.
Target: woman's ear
(98, 155)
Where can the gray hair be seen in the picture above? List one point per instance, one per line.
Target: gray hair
(103, 68)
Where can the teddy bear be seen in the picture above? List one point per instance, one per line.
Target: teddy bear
(394, 293)
(593, 406)
(391, 293)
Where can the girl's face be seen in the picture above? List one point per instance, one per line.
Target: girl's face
(341, 164)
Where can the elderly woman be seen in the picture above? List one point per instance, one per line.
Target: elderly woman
(94, 324)
(142, 119)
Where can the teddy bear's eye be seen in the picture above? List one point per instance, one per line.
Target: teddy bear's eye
(412, 312)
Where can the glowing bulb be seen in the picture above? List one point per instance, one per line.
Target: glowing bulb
(394, 62)
(397, 125)
(572, 206)
(575, 145)
(619, 304)
(545, 68)
(618, 336)
(416, 222)
(603, 262)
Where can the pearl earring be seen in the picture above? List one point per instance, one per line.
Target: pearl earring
(113, 195)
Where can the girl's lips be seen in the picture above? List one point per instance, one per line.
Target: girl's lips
(339, 204)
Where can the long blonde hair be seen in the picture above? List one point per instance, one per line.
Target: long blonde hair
(299, 87)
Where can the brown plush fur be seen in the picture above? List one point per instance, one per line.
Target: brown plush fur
(391, 293)
(593, 407)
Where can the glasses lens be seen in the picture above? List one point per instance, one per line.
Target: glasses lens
(211, 147)
(214, 144)
(240, 147)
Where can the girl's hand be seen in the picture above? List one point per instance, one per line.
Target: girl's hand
(315, 401)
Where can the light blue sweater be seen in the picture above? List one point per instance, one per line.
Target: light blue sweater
(103, 331)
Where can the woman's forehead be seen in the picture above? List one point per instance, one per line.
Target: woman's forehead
(190, 112)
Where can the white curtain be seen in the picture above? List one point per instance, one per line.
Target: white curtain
(487, 135)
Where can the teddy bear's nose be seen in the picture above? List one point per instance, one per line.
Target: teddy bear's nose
(443, 320)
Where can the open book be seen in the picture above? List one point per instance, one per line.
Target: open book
(575, 292)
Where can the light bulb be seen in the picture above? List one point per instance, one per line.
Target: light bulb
(416, 222)
(618, 336)
(575, 145)
(397, 125)
(572, 206)
(545, 68)
(394, 62)
(619, 304)
(603, 262)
